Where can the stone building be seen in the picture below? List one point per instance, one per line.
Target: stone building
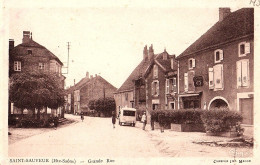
(30, 56)
(88, 88)
(217, 70)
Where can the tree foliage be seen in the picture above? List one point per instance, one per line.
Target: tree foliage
(35, 91)
(103, 105)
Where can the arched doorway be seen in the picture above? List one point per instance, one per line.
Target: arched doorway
(218, 102)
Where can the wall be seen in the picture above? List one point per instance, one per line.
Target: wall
(205, 59)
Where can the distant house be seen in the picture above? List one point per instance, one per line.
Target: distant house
(217, 70)
(88, 88)
(30, 56)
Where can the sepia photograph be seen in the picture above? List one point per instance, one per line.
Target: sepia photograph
(135, 82)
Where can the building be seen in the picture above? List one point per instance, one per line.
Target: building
(161, 83)
(88, 88)
(217, 70)
(132, 91)
(30, 56)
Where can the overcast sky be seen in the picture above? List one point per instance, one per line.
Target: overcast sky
(109, 41)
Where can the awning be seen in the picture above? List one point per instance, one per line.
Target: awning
(189, 94)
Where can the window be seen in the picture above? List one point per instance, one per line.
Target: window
(155, 71)
(243, 49)
(174, 82)
(17, 66)
(243, 73)
(29, 52)
(191, 63)
(167, 86)
(216, 81)
(188, 81)
(218, 55)
(155, 88)
(41, 66)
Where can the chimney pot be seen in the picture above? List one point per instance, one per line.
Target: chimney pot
(151, 52)
(223, 13)
(87, 74)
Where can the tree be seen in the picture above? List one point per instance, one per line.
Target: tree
(36, 90)
(91, 104)
(104, 105)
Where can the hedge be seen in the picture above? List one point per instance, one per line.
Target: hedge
(214, 120)
(220, 120)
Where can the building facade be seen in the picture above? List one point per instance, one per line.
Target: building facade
(29, 56)
(217, 70)
(87, 89)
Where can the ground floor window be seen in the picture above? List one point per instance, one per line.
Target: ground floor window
(191, 102)
(155, 106)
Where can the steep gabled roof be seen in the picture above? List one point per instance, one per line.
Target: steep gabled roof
(137, 72)
(21, 50)
(237, 24)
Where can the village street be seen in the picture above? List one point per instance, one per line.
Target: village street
(91, 138)
(95, 137)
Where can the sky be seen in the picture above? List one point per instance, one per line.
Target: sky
(109, 40)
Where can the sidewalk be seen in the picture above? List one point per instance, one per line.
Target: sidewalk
(183, 144)
(18, 134)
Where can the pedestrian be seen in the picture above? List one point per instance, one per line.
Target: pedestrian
(144, 120)
(113, 118)
(56, 121)
(82, 116)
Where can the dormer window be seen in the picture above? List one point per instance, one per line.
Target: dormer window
(218, 55)
(191, 63)
(243, 49)
(29, 52)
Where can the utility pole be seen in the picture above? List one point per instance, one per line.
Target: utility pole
(67, 59)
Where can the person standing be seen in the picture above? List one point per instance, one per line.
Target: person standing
(144, 120)
(82, 116)
(113, 118)
(161, 119)
(56, 121)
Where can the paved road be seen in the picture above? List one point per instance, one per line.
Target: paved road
(94, 137)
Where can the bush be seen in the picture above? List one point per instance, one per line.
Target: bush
(220, 120)
(178, 116)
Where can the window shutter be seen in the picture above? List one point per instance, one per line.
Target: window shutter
(191, 86)
(185, 82)
(221, 54)
(167, 86)
(239, 74)
(247, 48)
(218, 78)
(152, 88)
(211, 78)
(193, 63)
(244, 77)
(157, 88)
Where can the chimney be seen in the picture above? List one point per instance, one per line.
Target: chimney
(87, 74)
(172, 61)
(95, 75)
(165, 55)
(11, 43)
(26, 36)
(91, 76)
(145, 53)
(151, 53)
(223, 13)
(74, 81)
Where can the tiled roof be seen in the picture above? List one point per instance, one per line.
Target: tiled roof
(237, 24)
(137, 72)
(21, 50)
